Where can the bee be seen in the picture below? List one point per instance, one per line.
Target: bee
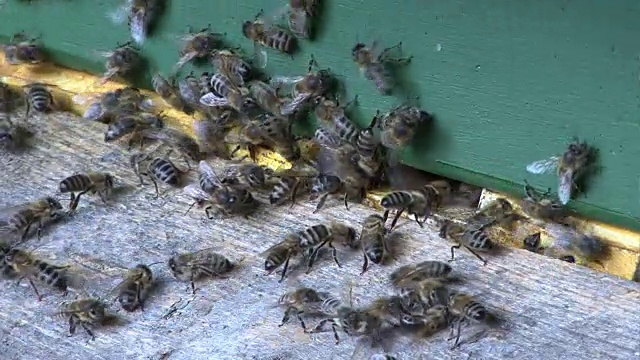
(247, 174)
(354, 322)
(390, 310)
(133, 290)
(225, 199)
(6, 271)
(268, 131)
(7, 131)
(570, 245)
(532, 242)
(39, 98)
(499, 211)
(367, 144)
(271, 36)
(413, 273)
(289, 184)
(39, 212)
(317, 236)
(27, 266)
(84, 312)
(122, 60)
(170, 94)
(280, 254)
(305, 87)
(332, 116)
(7, 97)
(197, 45)
(398, 127)
(465, 308)
(307, 301)
(326, 185)
(327, 138)
(231, 65)
(542, 207)
(374, 67)
(126, 123)
(174, 139)
(419, 203)
(224, 93)
(422, 294)
(92, 182)
(157, 169)
(434, 319)
(140, 14)
(207, 178)
(570, 166)
(123, 100)
(472, 239)
(266, 97)
(301, 16)
(196, 265)
(190, 90)
(22, 49)
(382, 357)
(372, 238)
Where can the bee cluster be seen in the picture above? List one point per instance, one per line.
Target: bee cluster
(234, 108)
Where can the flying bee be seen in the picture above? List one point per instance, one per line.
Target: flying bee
(332, 117)
(413, 273)
(398, 128)
(196, 265)
(266, 97)
(472, 239)
(133, 290)
(197, 45)
(305, 87)
(22, 49)
(542, 207)
(373, 241)
(157, 169)
(317, 236)
(267, 35)
(224, 93)
(140, 15)
(84, 312)
(419, 203)
(170, 94)
(375, 68)
(120, 61)
(499, 211)
(231, 65)
(174, 139)
(290, 183)
(465, 308)
(307, 301)
(39, 212)
(570, 167)
(268, 131)
(92, 182)
(572, 245)
(25, 265)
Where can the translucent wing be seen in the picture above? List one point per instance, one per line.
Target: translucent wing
(85, 98)
(259, 56)
(184, 59)
(278, 81)
(95, 111)
(543, 166)
(206, 169)
(565, 185)
(138, 26)
(290, 107)
(211, 99)
(119, 15)
(195, 192)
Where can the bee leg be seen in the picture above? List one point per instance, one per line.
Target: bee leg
(457, 342)
(193, 287)
(453, 248)
(284, 269)
(418, 220)
(72, 325)
(312, 259)
(365, 264)
(89, 332)
(234, 151)
(335, 333)
(287, 315)
(35, 289)
(299, 315)
(103, 197)
(334, 253)
(190, 207)
(294, 191)
(321, 202)
(155, 185)
(477, 255)
(346, 199)
(252, 152)
(208, 211)
(395, 219)
(26, 231)
(39, 230)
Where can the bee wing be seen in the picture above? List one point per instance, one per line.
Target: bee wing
(120, 14)
(206, 169)
(195, 192)
(543, 166)
(290, 107)
(86, 98)
(138, 25)
(278, 81)
(260, 57)
(565, 185)
(211, 99)
(183, 60)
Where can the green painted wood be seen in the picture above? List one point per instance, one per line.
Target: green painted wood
(509, 82)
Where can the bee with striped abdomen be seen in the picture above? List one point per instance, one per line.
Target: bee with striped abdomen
(25, 265)
(398, 128)
(374, 67)
(174, 139)
(266, 98)
(498, 211)
(133, 290)
(305, 87)
(269, 131)
(473, 239)
(415, 273)
(39, 98)
(281, 253)
(223, 92)
(289, 184)
(332, 116)
(21, 218)
(6, 271)
(231, 65)
(22, 49)
(317, 236)
(84, 312)
(373, 241)
(196, 265)
(464, 308)
(267, 35)
(92, 182)
(419, 203)
(157, 168)
(307, 301)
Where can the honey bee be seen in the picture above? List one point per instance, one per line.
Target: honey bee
(472, 239)
(267, 35)
(301, 16)
(307, 301)
(390, 310)
(327, 138)
(225, 199)
(465, 308)
(113, 102)
(196, 265)
(326, 185)
(190, 90)
(133, 290)
(197, 45)
(126, 123)
(382, 357)
(245, 174)
(174, 139)
(532, 242)
(231, 65)
(84, 312)
(434, 319)
(22, 49)
(122, 60)
(207, 178)
(25, 265)
(499, 211)
(210, 134)
(542, 207)
(374, 67)
(268, 131)
(157, 168)
(140, 15)
(290, 183)
(21, 218)
(570, 166)
(409, 274)
(571, 245)
(6, 271)
(419, 203)
(280, 254)
(266, 97)
(92, 182)
(332, 117)
(422, 294)
(354, 322)
(224, 93)
(170, 94)
(305, 87)
(372, 238)
(398, 128)
(39, 98)
(317, 236)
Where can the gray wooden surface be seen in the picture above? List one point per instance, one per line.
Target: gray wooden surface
(552, 309)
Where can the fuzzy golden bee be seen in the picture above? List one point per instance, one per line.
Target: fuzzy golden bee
(196, 265)
(84, 312)
(25, 265)
(473, 239)
(419, 203)
(375, 67)
(22, 218)
(22, 49)
(92, 182)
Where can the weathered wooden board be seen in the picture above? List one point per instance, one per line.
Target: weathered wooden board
(552, 309)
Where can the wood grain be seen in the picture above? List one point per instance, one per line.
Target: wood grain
(551, 308)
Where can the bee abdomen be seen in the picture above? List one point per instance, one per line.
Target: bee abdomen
(78, 182)
(475, 311)
(375, 252)
(51, 275)
(281, 189)
(314, 235)
(380, 76)
(121, 127)
(40, 99)
(366, 144)
(127, 299)
(165, 171)
(282, 41)
(478, 240)
(396, 199)
(220, 85)
(346, 129)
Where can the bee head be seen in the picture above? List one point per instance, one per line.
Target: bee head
(173, 266)
(53, 203)
(109, 180)
(96, 311)
(532, 242)
(357, 48)
(269, 265)
(247, 29)
(425, 117)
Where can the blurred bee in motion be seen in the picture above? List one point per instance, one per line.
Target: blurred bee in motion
(105, 106)
(133, 290)
(571, 166)
(332, 117)
(302, 13)
(157, 169)
(174, 139)
(307, 301)
(410, 274)
(268, 131)
(398, 128)
(289, 184)
(197, 45)
(39, 98)
(224, 93)
(170, 93)
(22, 49)
(373, 241)
(499, 211)
(21, 218)
(303, 88)
(374, 67)
(542, 207)
(92, 182)
(196, 265)
(231, 65)
(267, 35)
(472, 239)
(84, 312)
(464, 308)
(25, 265)
(419, 203)
(140, 15)
(266, 98)
(572, 245)
(121, 61)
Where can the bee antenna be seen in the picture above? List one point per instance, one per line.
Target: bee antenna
(155, 263)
